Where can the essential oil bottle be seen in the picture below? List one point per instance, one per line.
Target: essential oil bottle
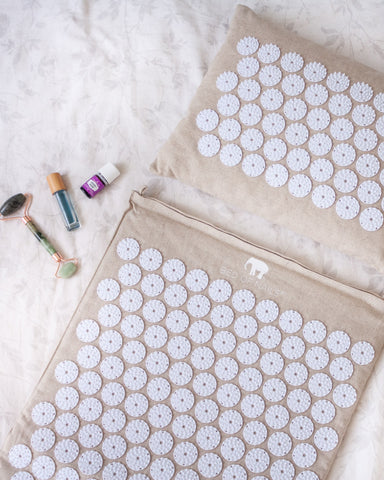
(67, 210)
(100, 180)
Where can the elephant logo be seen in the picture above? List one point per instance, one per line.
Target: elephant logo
(256, 266)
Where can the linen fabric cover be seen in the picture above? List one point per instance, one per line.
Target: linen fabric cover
(194, 354)
(285, 129)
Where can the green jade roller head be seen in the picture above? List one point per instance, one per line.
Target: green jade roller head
(66, 267)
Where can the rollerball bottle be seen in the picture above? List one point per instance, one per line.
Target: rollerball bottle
(67, 209)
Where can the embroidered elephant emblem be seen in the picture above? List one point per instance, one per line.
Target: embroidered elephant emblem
(256, 266)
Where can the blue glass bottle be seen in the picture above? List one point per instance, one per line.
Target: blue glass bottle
(59, 191)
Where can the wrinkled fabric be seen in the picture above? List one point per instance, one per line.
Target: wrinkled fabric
(84, 83)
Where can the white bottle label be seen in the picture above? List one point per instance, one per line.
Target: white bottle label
(93, 185)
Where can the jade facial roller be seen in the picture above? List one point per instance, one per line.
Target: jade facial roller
(66, 267)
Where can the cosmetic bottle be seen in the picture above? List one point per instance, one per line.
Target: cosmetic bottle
(67, 210)
(105, 176)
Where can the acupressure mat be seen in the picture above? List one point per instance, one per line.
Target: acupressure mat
(194, 354)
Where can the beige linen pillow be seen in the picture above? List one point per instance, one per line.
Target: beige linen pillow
(286, 129)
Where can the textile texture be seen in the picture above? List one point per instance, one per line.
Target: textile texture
(84, 83)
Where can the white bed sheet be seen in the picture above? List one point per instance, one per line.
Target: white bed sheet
(83, 83)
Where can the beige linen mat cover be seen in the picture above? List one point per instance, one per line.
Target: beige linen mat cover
(194, 354)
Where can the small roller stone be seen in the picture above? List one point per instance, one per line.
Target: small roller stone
(12, 204)
(67, 270)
